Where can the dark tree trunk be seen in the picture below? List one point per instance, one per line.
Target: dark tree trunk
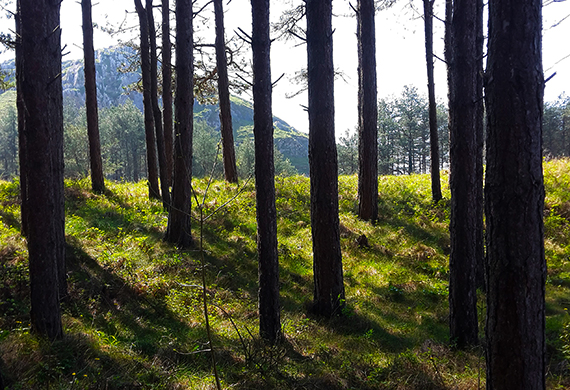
(433, 136)
(480, 141)
(179, 218)
(167, 90)
(154, 191)
(514, 197)
(229, 156)
(462, 68)
(97, 180)
(327, 258)
(367, 113)
(269, 310)
(163, 169)
(41, 94)
(21, 136)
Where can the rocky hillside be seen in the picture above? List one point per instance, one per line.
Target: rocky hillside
(115, 83)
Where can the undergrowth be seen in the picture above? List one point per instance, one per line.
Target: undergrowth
(134, 316)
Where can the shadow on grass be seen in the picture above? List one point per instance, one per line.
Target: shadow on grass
(117, 338)
(106, 218)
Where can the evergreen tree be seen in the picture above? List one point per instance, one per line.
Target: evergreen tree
(514, 198)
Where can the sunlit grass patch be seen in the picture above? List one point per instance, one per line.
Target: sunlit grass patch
(134, 317)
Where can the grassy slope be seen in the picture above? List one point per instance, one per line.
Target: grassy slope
(134, 318)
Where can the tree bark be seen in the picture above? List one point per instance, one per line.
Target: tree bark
(21, 136)
(367, 113)
(159, 133)
(514, 194)
(462, 70)
(269, 309)
(167, 90)
(179, 218)
(327, 258)
(41, 95)
(433, 136)
(480, 144)
(154, 191)
(96, 162)
(228, 150)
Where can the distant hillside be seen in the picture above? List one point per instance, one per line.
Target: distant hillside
(114, 88)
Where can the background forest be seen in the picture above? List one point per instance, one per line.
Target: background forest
(403, 129)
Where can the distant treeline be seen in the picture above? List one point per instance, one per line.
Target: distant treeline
(403, 140)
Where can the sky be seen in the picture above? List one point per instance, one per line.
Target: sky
(400, 51)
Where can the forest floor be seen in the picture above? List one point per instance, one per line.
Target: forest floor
(134, 316)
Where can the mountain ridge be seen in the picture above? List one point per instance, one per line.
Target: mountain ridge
(115, 81)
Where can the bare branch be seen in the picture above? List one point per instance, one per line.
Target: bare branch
(244, 80)
(276, 81)
(243, 36)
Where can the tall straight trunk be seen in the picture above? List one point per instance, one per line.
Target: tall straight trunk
(462, 130)
(41, 95)
(228, 150)
(21, 136)
(433, 136)
(480, 141)
(163, 169)
(179, 218)
(151, 158)
(269, 310)
(327, 258)
(514, 197)
(367, 113)
(96, 162)
(167, 90)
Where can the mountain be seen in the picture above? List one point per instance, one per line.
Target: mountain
(115, 81)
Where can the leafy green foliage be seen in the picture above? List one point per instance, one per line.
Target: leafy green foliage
(134, 315)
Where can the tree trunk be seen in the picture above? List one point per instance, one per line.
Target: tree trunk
(367, 113)
(22, 158)
(269, 310)
(163, 169)
(433, 136)
(154, 191)
(462, 68)
(480, 142)
(514, 197)
(41, 94)
(96, 162)
(179, 218)
(229, 156)
(167, 90)
(327, 258)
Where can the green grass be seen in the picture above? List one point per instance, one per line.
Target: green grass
(134, 316)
